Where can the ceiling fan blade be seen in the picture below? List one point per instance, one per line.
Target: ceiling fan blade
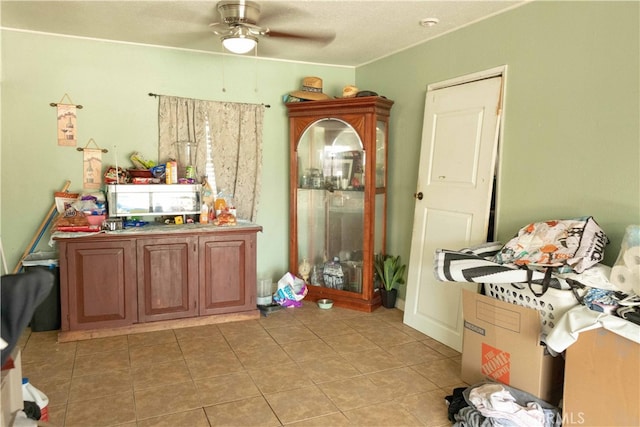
(324, 38)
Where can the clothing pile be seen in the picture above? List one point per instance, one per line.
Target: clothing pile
(490, 404)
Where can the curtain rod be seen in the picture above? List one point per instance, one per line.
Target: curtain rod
(155, 94)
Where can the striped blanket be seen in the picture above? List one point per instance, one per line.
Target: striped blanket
(475, 265)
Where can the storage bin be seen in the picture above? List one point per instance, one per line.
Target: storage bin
(551, 305)
(46, 316)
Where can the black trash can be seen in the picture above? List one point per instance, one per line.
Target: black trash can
(46, 317)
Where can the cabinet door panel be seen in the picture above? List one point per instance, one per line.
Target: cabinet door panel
(227, 274)
(167, 278)
(101, 285)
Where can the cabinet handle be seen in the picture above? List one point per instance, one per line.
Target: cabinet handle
(418, 195)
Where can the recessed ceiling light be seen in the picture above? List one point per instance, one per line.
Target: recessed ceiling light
(429, 22)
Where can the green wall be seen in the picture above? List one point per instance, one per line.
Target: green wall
(571, 142)
(112, 82)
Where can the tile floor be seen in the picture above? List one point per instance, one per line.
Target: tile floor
(300, 366)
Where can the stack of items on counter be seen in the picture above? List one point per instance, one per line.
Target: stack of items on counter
(150, 172)
(85, 212)
(554, 268)
(215, 208)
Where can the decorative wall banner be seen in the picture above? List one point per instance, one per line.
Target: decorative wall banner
(67, 122)
(67, 125)
(92, 169)
(92, 165)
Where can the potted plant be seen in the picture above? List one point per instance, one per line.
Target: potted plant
(389, 275)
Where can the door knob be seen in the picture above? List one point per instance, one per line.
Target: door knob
(418, 195)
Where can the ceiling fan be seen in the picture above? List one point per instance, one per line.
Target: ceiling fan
(239, 30)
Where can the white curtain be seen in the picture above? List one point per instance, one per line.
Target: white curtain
(236, 144)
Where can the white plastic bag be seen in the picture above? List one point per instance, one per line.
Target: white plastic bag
(291, 290)
(32, 394)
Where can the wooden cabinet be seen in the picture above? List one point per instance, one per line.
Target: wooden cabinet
(227, 273)
(123, 279)
(167, 278)
(99, 284)
(338, 196)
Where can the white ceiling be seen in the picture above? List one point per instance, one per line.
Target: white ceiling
(364, 30)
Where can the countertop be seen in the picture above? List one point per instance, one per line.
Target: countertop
(157, 229)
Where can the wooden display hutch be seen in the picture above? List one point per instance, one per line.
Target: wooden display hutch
(338, 203)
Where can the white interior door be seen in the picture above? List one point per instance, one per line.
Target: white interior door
(457, 161)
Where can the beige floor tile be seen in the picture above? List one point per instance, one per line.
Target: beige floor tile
(331, 369)
(39, 372)
(214, 365)
(204, 331)
(53, 353)
(367, 324)
(441, 348)
(56, 389)
(388, 336)
(56, 415)
(245, 327)
(314, 314)
(280, 377)
(414, 353)
(278, 319)
(443, 373)
(200, 346)
(101, 384)
(167, 399)
(394, 316)
(249, 340)
(160, 374)
(306, 350)
(349, 343)
(414, 333)
(193, 418)
(381, 415)
(428, 407)
(291, 333)
(265, 355)
(99, 362)
(401, 382)
(114, 410)
(226, 388)
(300, 404)
(296, 366)
(374, 360)
(41, 338)
(151, 338)
(154, 354)
(100, 345)
(253, 411)
(336, 419)
(324, 328)
(352, 393)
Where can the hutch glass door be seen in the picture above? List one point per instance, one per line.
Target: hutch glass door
(330, 208)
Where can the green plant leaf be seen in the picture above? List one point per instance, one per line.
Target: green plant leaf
(390, 270)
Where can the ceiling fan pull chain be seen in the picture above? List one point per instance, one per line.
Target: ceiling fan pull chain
(255, 68)
(224, 89)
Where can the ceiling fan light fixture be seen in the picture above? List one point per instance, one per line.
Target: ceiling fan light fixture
(240, 43)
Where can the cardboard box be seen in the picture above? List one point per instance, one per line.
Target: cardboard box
(602, 381)
(501, 342)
